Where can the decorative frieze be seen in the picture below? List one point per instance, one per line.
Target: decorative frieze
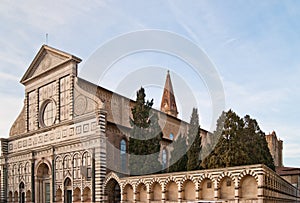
(54, 136)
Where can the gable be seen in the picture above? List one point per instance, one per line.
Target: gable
(47, 59)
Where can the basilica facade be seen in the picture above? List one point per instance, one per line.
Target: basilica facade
(70, 134)
(70, 142)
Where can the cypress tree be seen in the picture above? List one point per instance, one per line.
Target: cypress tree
(145, 137)
(256, 143)
(241, 143)
(225, 152)
(194, 140)
(179, 158)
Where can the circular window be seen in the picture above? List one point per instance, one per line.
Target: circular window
(48, 113)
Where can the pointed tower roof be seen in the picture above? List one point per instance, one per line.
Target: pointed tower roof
(168, 103)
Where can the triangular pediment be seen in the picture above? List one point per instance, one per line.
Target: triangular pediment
(46, 59)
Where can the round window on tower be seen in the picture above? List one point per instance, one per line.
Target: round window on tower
(48, 113)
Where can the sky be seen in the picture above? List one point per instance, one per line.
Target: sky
(253, 45)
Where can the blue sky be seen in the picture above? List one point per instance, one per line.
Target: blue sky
(254, 45)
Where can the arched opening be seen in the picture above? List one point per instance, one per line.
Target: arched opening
(172, 191)
(58, 168)
(207, 190)
(156, 192)
(68, 190)
(113, 191)
(128, 193)
(76, 166)
(189, 190)
(28, 196)
(87, 195)
(10, 197)
(43, 184)
(58, 196)
(77, 195)
(227, 188)
(87, 165)
(16, 197)
(22, 192)
(248, 188)
(123, 155)
(27, 172)
(141, 193)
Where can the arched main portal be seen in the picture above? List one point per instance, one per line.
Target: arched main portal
(43, 181)
(68, 190)
(22, 192)
(113, 191)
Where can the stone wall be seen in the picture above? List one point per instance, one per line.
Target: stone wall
(254, 183)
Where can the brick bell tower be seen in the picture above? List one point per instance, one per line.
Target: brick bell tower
(168, 103)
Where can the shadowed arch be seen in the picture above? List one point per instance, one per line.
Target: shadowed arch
(155, 191)
(141, 190)
(10, 196)
(172, 191)
(128, 192)
(77, 195)
(227, 188)
(248, 187)
(112, 190)
(189, 190)
(87, 195)
(207, 189)
(58, 196)
(16, 197)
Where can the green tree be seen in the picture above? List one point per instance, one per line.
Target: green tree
(145, 137)
(213, 137)
(225, 153)
(179, 158)
(256, 143)
(241, 143)
(194, 140)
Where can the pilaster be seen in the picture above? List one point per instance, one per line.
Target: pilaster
(216, 191)
(99, 160)
(57, 99)
(26, 111)
(37, 107)
(163, 196)
(32, 178)
(71, 104)
(53, 174)
(3, 183)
